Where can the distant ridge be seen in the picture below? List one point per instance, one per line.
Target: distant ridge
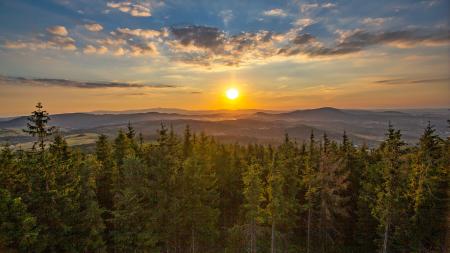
(317, 111)
(249, 125)
(185, 111)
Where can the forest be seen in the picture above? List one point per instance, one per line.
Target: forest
(193, 194)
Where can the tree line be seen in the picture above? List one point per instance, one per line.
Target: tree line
(192, 194)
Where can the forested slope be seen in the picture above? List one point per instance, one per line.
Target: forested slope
(191, 193)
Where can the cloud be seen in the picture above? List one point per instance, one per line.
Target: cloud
(93, 27)
(205, 37)
(203, 45)
(311, 6)
(134, 9)
(65, 43)
(54, 42)
(328, 5)
(77, 84)
(143, 49)
(32, 45)
(90, 49)
(431, 3)
(111, 41)
(226, 15)
(358, 40)
(374, 21)
(119, 52)
(128, 42)
(303, 22)
(307, 7)
(208, 45)
(143, 33)
(58, 30)
(303, 39)
(412, 81)
(275, 13)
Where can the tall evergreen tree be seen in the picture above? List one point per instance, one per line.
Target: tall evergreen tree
(389, 196)
(89, 226)
(254, 197)
(428, 190)
(122, 148)
(37, 126)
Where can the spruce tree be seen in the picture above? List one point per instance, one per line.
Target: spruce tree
(89, 227)
(37, 126)
(428, 183)
(390, 193)
(254, 197)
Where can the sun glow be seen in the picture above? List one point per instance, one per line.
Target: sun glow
(232, 93)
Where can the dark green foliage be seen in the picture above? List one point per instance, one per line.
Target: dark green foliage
(192, 194)
(37, 126)
(17, 227)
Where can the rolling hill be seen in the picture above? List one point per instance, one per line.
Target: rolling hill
(246, 126)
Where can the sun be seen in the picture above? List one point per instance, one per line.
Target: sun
(232, 93)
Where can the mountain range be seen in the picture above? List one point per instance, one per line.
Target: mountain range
(245, 126)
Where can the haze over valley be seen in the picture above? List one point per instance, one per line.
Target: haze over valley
(243, 126)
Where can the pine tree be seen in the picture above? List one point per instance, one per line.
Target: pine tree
(275, 204)
(164, 161)
(389, 196)
(89, 226)
(106, 174)
(199, 199)
(134, 215)
(131, 133)
(59, 148)
(333, 183)
(122, 148)
(187, 142)
(254, 197)
(106, 179)
(428, 184)
(37, 126)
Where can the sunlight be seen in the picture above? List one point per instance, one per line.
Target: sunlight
(232, 93)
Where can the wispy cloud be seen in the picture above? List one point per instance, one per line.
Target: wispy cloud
(134, 9)
(77, 84)
(93, 27)
(328, 5)
(358, 40)
(304, 8)
(205, 45)
(303, 22)
(53, 42)
(412, 81)
(226, 15)
(374, 21)
(275, 13)
(143, 33)
(307, 7)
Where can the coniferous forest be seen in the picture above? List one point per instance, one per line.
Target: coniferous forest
(193, 194)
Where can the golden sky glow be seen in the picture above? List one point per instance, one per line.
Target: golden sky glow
(280, 55)
(232, 93)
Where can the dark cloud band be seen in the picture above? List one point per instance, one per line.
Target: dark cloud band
(77, 84)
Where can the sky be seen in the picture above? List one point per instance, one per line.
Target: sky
(87, 55)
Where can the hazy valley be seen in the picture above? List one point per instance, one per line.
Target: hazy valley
(243, 126)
